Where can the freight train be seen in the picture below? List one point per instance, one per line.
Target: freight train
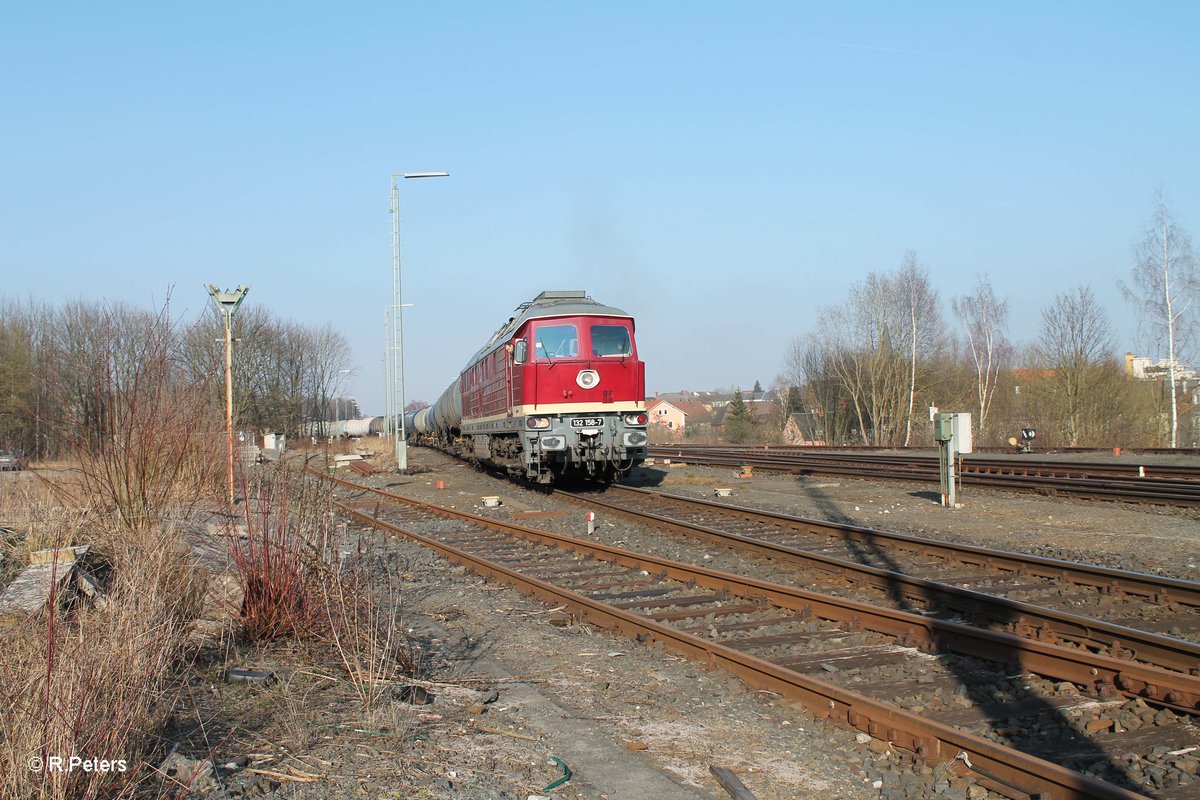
(557, 394)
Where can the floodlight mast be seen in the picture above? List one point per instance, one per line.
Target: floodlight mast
(396, 387)
(228, 303)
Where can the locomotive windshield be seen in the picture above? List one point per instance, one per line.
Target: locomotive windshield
(556, 341)
(611, 340)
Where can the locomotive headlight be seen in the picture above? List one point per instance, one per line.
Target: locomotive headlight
(635, 439)
(636, 419)
(537, 423)
(553, 443)
(588, 379)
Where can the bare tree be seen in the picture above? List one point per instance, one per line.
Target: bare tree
(284, 374)
(877, 348)
(809, 364)
(329, 357)
(18, 383)
(984, 318)
(1165, 285)
(878, 323)
(924, 324)
(843, 357)
(1076, 346)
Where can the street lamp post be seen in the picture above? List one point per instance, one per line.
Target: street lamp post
(228, 303)
(397, 320)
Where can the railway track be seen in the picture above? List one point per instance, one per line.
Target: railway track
(1000, 707)
(1149, 618)
(1177, 485)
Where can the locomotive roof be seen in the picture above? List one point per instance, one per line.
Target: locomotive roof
(548, 304)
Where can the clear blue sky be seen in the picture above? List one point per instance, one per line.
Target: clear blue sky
(719, 170)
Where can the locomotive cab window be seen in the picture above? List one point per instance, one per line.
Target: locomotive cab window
(556, 341)
(611, 340)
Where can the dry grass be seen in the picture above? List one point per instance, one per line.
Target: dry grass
(41, 515)
(99, 683)
(379, 449)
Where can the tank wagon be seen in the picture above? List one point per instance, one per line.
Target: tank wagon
(557, 393)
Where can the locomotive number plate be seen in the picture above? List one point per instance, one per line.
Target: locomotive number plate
(587, 422)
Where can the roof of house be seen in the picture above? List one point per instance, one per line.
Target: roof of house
(758, 409)
(696, 412)
(1024, 374)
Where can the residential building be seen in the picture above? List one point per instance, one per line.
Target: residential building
(677, 415)
(804, 429)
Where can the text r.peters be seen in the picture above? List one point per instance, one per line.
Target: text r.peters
(73, 763)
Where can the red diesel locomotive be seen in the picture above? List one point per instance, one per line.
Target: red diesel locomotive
(557, 393)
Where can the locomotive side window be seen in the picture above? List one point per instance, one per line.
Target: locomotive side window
(611, 340)
(556, 341)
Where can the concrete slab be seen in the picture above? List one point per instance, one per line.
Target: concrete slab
(48, 573)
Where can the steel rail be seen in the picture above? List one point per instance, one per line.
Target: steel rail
(1027, 620)
(1157, 588)
(922, 464)
(884, 449)
(1179, 493)
(973, 462)
(998, 767)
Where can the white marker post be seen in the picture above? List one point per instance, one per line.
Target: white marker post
(591, 518)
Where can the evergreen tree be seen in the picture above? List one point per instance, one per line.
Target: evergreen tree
(738, 423)
(738, 410)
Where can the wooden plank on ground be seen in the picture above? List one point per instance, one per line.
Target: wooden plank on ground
(731, 783)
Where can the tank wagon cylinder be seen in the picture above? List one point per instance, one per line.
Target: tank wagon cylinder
(358, 427)
(447, 411)
(420, 421)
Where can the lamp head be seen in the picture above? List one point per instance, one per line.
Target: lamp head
(228, 301)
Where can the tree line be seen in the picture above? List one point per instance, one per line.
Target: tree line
(68, 372)
(875, 361)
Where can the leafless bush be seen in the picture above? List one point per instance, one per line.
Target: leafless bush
(303, 579)
(282, 561)
(147, 439)
(365, 631)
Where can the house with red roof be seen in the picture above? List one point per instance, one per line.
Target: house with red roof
(677, 415)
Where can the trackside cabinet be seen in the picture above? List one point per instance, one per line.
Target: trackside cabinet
(961, 428)
(943, 427)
